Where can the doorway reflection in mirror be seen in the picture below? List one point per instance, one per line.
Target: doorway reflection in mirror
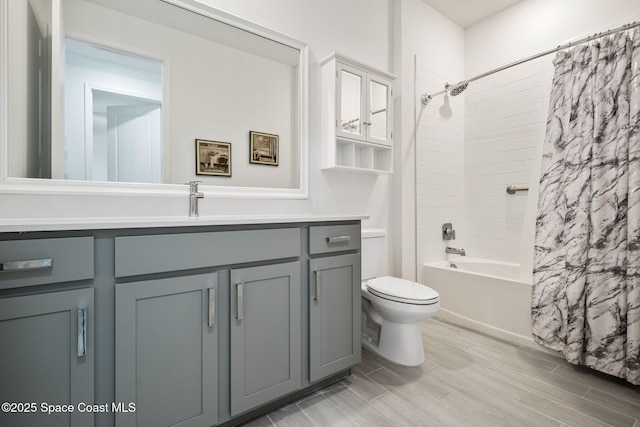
(118, 98)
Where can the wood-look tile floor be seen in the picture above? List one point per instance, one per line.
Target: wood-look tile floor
(468, 379)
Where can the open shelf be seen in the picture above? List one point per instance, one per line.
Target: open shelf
(362, 157)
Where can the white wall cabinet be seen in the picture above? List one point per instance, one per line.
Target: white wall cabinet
(357, 116)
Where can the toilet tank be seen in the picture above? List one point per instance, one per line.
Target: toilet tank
(373, 252)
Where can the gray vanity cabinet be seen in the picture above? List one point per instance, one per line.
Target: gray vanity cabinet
(47, 339)
(334, 299)
(47, 356)
(334, 315)
(166, 351)
(173, 333)
(265, 334)
(193, 326)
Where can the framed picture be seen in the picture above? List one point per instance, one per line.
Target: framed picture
(213, 158)
(263, 149)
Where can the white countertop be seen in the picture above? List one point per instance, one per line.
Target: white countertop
(68, 224)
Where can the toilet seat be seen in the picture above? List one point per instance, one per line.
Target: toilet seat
(403, 291)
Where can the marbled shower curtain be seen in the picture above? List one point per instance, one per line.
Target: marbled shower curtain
(586, 291)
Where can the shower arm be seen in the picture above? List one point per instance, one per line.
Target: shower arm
(448, 88)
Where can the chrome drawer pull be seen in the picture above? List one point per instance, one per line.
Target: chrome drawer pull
(239, 302)
(338, 239)
(34, 264)
(82, 332)
(212, 308)
(317, 296)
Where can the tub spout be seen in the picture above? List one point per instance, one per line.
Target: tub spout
(455, 251)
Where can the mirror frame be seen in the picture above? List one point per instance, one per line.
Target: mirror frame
(35, 186)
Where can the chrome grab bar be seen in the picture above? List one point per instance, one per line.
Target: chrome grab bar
(512, 189)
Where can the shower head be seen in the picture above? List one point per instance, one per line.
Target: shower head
(457, 89)
(453, 90)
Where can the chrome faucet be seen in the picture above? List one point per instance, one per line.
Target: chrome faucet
(194, 195)
(455, 251)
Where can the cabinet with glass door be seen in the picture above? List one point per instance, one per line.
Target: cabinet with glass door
(357, 116)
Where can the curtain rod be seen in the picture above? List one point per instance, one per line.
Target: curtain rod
(461, 86)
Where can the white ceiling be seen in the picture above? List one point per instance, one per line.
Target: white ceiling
(467, 12)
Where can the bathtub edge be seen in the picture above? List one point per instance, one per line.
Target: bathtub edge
(493, 331)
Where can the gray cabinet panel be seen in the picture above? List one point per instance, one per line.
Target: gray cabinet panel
(166, 352)
(334, 238)
(172, 252)
(39, 359)
(71, 259)
(334, 317)
(156, 332)
(265, 334)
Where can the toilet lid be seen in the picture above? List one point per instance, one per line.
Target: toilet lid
(401, 290)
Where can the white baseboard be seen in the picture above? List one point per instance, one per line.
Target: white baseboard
(486, 329)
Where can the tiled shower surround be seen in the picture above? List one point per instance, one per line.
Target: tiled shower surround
(469, 152)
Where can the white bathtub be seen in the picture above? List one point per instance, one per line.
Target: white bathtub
(482, 294)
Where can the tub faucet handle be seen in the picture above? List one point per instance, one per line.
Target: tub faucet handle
(448, 233)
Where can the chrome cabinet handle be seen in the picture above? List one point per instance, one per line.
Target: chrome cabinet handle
(338, 239)
(82, 332)
(317, 296)
(239, 301)
(212, 308)
(33, 264)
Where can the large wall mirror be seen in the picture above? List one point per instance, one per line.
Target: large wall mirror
(135, 95)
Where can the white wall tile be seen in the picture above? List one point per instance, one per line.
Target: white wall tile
(495, 137)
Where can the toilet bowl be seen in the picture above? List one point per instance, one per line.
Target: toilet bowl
(392, 308)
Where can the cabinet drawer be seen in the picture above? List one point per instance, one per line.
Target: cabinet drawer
(334, 238)
(135, 255)
(43, 261)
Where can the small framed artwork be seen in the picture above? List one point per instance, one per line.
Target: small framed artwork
(264, 148)
(213, 158)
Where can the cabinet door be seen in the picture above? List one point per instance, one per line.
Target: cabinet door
(166, 351)
(47, 356)
(265, 334)
(351, 103)
(334, 314)
(380, 110)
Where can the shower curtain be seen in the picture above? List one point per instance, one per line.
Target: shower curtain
(586, 292)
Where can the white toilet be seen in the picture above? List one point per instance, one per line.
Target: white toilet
(391, 307)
